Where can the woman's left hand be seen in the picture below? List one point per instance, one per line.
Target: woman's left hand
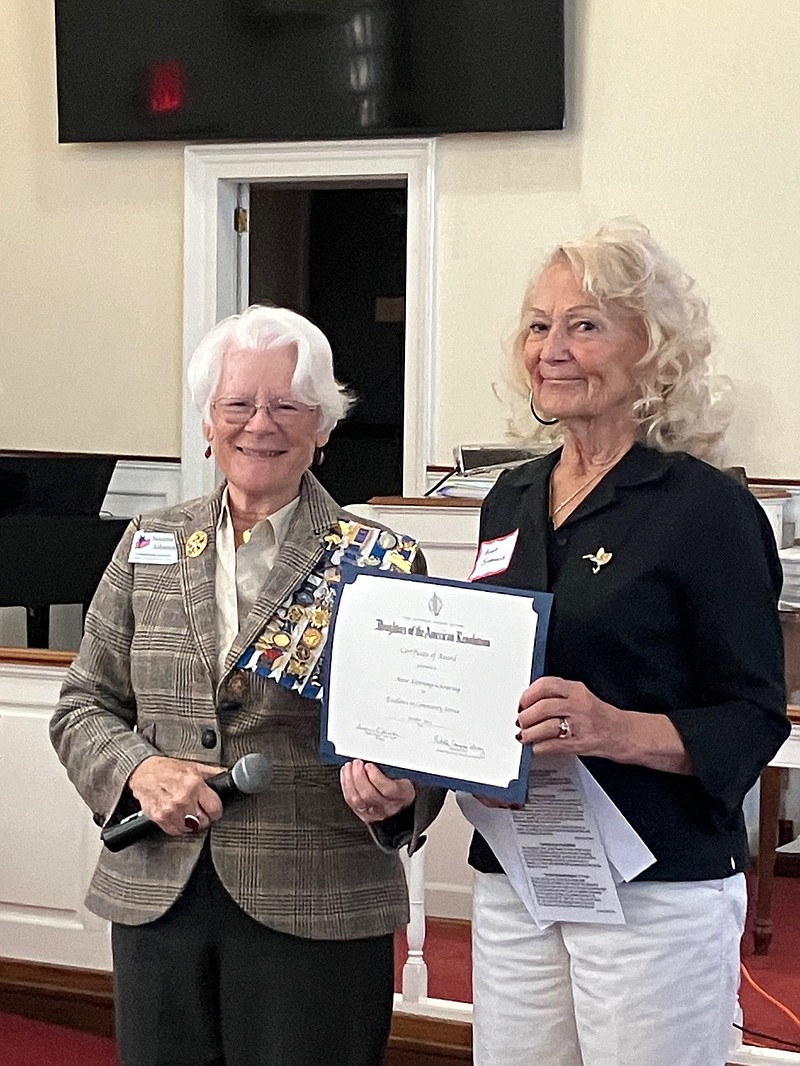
(564, 718)
(371, 794)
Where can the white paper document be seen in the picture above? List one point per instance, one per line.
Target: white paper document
(564, 850)
(426, 676)
(627, 853)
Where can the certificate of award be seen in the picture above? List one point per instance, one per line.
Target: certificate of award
(423, 678)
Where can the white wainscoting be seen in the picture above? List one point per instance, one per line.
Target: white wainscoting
(50, 843)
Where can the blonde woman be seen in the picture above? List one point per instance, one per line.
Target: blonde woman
(664, 666)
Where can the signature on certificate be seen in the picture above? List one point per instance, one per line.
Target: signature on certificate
(378, 732)
(452, 747)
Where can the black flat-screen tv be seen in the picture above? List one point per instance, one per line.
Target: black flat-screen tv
(269, 70)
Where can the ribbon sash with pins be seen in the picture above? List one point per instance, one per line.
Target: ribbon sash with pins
(289, 650)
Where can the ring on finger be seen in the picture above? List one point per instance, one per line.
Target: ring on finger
(191, 822)
(564, 729)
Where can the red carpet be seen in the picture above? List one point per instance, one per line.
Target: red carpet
(27, 1043)
(778, 973)
(447, 951)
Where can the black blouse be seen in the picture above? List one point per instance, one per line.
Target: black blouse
(681, 621)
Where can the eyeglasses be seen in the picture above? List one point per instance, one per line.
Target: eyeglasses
(237, 411)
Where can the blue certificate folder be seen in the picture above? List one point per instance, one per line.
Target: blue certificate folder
(516, 790)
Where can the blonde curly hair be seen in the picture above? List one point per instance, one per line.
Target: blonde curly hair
(680, 406)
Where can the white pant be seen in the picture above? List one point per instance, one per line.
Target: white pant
(660, 990)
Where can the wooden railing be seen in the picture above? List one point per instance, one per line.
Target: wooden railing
(36, 656)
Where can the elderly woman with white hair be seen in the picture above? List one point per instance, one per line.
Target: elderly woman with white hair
(663, 671)
(261, 935)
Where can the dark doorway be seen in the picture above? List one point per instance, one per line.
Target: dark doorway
(338, 256)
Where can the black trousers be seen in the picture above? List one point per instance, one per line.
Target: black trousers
(206, 985)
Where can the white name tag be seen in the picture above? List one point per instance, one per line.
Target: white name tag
(494, 556)
(148, 547)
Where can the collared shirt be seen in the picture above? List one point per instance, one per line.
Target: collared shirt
(240, 574)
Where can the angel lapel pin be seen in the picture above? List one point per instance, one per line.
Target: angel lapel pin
(600, 558)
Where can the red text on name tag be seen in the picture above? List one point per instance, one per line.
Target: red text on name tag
(494, 556)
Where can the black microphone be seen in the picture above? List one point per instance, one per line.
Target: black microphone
(249, 775)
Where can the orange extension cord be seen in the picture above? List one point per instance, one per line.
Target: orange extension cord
(775, 1002)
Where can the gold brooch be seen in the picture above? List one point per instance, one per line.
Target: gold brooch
(196, 544)
(600, 558)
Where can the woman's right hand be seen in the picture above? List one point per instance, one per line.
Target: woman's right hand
(170, 790)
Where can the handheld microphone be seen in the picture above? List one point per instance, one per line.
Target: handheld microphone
(249, 775)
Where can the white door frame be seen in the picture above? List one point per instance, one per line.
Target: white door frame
(212, 176)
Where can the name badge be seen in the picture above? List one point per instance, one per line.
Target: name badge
(494, 556)
(158, 548)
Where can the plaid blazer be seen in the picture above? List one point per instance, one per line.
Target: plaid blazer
(145, 682)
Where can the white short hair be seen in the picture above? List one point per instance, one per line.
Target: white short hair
(262, 329)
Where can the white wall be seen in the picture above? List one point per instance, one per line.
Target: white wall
(90, 270)
(681, 113)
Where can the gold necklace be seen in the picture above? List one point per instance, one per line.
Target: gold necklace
(555, 510)
(582, 488)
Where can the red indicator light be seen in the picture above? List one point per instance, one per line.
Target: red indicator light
(165, 88)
